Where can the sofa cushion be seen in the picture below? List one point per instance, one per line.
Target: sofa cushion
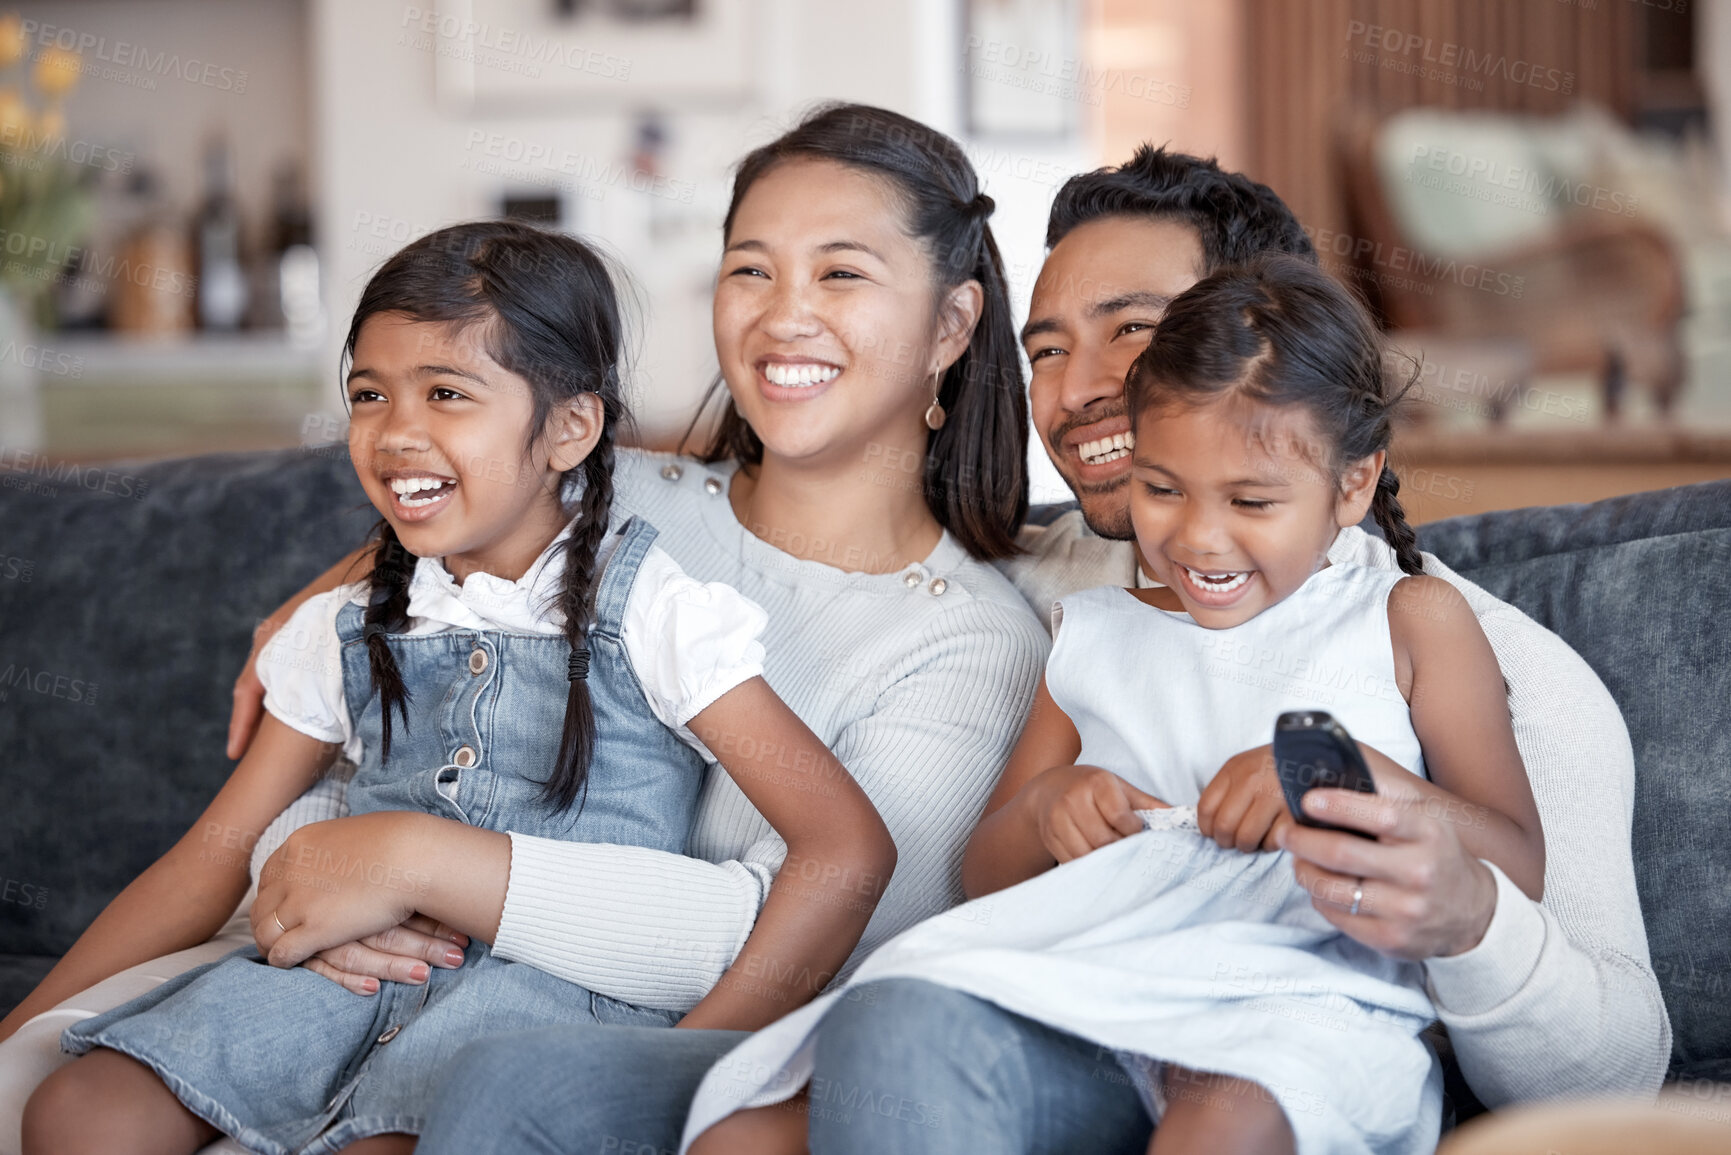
(128, 596)
(1638, 586)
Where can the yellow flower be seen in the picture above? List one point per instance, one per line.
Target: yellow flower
(57, 70)
(14, 120)
(13, 40)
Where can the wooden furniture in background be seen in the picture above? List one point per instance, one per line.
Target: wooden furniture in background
(1451, 473)
(1308, 61)
(1603, 295)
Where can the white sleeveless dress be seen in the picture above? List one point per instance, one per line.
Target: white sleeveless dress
(1163, 946)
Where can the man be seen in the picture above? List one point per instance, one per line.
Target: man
(1540, 1000)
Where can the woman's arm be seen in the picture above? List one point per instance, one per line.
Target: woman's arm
(187, 894)
(839, 858)
(1046, 810)
(660, 929)
(248, 705)
(1460, 712)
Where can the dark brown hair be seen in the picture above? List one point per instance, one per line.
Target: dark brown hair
(546, 310)
(1235, 218)
(1280, 331)
(976, 470)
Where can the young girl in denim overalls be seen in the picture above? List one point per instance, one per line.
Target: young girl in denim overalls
(483, 386)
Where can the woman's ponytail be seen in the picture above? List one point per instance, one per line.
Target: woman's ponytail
(976, 464)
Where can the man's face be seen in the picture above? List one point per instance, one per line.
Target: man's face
(1094, 307)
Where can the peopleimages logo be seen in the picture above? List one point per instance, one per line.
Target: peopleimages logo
(123, 54)
(1445, 60)
(1066, 77)
(32, 149)
(1400, 259)
(1529, 189)
(35, 473)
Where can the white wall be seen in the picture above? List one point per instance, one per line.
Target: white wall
(162, 75)
(390, 160)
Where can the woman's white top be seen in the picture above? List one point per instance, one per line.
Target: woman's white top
(688, 642)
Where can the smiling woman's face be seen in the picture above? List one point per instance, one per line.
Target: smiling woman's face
(825, 317)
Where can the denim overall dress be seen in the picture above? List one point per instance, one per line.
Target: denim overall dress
(288, 1061)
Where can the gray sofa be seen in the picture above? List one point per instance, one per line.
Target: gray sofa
(128, 596)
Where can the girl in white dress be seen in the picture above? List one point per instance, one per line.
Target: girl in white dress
(1173, 932)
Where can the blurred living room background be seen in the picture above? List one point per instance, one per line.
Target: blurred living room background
(1532, 194)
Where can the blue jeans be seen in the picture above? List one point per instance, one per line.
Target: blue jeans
(608, 1090)
(908, 1067)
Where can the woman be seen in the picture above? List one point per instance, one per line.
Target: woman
(861, 324)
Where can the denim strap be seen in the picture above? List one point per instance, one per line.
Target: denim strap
(621, 575)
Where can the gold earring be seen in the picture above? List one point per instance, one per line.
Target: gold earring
(935, 414)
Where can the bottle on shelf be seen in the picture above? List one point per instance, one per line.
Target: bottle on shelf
(154, 287)
(286, 293)
(222, 289)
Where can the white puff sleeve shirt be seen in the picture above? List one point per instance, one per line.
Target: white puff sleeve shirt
(688, 642)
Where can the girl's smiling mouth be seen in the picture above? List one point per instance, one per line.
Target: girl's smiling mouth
(1217, 589)
(416, 497)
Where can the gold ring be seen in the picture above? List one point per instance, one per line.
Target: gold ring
(284, 929)
(1357, 897)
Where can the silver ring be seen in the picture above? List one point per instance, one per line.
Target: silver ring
(1357, 897)
(284, 929)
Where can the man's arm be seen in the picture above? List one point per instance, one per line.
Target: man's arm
(1560, 998)
(1557, 999)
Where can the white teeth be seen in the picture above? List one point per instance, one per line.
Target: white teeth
(1107, 448)
(1216, 583)
(800, 375)
(406, 487)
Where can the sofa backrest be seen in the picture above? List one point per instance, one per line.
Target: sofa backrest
(1640, 587)
(128, 597)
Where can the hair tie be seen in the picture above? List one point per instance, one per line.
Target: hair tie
(980, 207)
(577, 666)
(372, 630)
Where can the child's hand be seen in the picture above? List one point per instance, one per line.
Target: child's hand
(1244, 806)
(1081, 808)
(403, 954)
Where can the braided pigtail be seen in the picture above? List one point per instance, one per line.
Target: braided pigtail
(1385, 507)
(388, 612)
(577, 600)
(545, 307)
(1279, 331)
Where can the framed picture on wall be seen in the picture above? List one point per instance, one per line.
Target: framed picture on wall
(1023, 72)
(542, 55)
